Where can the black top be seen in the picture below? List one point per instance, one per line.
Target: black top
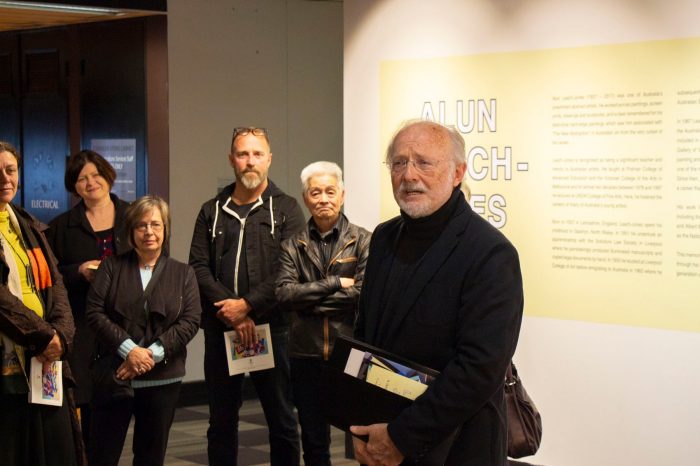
(278, 218)
(232, 259)
(327, 240)
(115, 310)
(105, 243)
(416, 238)
(420, 233)
(73, 242)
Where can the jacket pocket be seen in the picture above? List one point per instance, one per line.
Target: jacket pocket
(344, 267)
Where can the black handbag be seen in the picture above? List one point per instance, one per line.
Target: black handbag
(524, 420)
(106, 387)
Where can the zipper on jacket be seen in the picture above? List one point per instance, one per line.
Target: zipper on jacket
(326, 339)
(239, 247)
(340, 251)
(326, 330)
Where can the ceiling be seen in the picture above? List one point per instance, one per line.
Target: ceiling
(17, 16)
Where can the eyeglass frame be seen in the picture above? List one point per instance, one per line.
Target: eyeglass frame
(155, 227)
(245, 130)
(398, 167)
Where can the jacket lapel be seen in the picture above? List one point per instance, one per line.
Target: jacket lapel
(128, 292)
(311, 253)
(428, 266)
(381, 252)
(78, 218)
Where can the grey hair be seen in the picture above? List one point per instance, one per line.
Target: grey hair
(457, 145)
(141, 207)
(318, 169)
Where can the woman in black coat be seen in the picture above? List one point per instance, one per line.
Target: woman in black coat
(144, 308)
(81, 238)
(35, 321)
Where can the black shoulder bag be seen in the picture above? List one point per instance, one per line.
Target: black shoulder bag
(524, 420)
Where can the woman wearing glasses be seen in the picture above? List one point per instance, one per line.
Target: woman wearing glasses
(35, 320)
(81, 238)
(144, 308)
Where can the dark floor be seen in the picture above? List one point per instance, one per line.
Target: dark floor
(188, 439)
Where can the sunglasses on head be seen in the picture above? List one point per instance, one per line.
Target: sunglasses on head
(245, 130)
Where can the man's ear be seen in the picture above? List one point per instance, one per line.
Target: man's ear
(460, 171)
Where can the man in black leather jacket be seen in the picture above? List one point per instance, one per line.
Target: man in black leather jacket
(321, 272)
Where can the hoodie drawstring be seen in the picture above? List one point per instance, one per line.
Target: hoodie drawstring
(272, 220)
(216, 218)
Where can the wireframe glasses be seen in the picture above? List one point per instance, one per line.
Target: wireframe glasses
(143, 227)
(399, 165)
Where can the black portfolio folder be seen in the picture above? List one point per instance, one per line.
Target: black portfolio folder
(348, 400)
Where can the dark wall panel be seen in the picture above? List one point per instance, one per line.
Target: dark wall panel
(9, 89)
(71, 88)
(113, 98)
(44, 123)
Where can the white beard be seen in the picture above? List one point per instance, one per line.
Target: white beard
(419, 209)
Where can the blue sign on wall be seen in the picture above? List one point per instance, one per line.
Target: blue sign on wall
(121, 154)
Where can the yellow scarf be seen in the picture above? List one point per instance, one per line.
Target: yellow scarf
(19, 284)
(30, 298)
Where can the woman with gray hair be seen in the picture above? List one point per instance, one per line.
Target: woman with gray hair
(144, 308)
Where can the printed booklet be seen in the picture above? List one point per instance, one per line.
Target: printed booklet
(257, 357)
(46, 388)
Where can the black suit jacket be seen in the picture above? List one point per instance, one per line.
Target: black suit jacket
(460, 314)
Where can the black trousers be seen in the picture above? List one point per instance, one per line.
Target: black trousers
(225, 399)
(35, 435)
(153, 409)
(315, 431)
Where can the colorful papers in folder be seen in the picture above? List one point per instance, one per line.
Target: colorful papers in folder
(387, 374)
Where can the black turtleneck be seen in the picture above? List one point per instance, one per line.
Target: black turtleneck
(420, 233)
(417, 235)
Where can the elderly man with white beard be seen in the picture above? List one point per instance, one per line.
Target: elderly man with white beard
(234, 252)
(442, 288)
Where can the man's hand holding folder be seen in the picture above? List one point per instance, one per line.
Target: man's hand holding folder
(379, 449)
(363, 404)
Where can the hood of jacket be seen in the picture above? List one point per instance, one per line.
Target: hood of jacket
(270, 191)
(268, 197)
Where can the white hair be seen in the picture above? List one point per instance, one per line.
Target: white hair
(457, 145)
(319, 169)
